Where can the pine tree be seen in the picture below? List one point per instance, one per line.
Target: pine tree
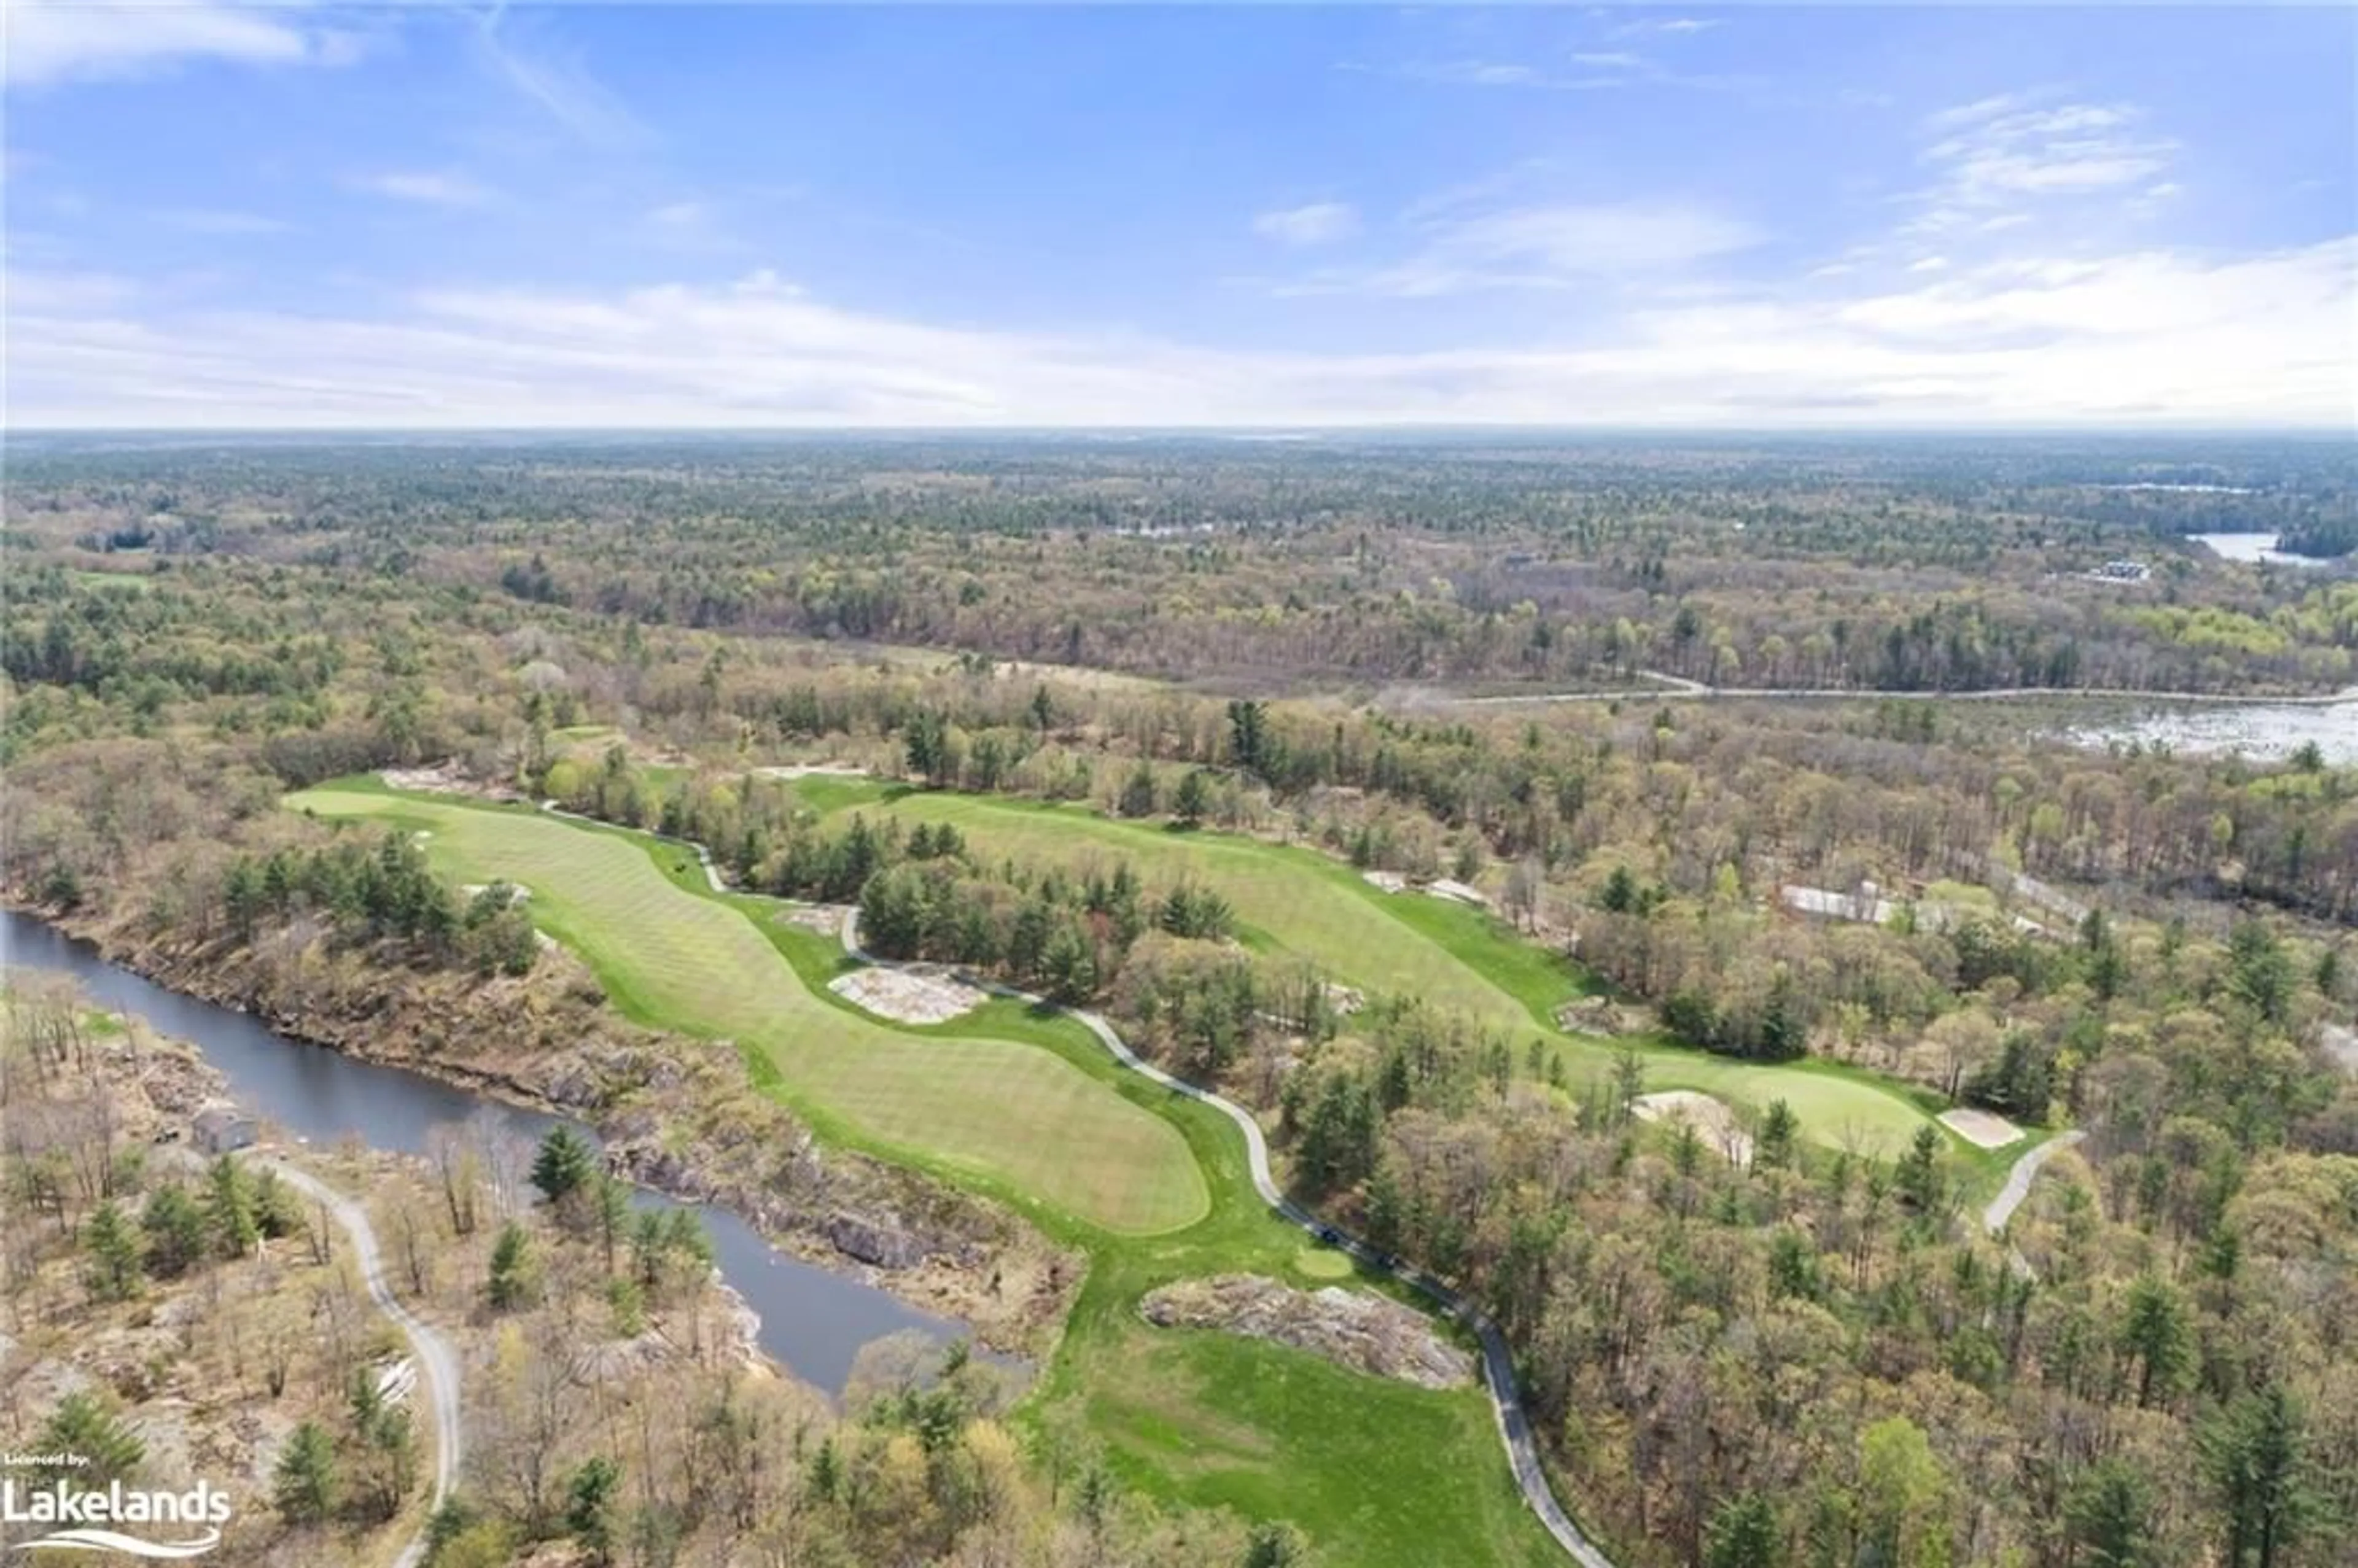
(590, 1506)
(176, 1232)
(511, 1270)
(564, 1165)
(303, 1487)
(229, 1209)
(2110, 1516)
(110, 1448)
(1743, 1534)
(113, 1248)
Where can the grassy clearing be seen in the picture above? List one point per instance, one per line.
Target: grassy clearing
(1378, 1474)
(994, 1107)
(1454, 955)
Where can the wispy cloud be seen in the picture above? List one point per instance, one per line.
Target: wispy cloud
(51, 41)
(1675, 27)
(1995, 153)
(1319, 223)
(1498, 234)
(521, 52)
(216, 221)
(2152, 335)
(426, 188)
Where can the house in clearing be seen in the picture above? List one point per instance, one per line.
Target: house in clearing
(221, 1126)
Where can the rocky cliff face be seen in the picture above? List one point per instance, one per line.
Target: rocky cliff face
(1357, 1329)
(679, 1114)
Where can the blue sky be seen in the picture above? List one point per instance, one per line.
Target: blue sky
(761, 215)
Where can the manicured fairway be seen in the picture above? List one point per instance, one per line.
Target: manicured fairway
(1301, 900)
(1453, 956)
(1000, 1107)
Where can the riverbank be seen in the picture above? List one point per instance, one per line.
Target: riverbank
(678, 1115)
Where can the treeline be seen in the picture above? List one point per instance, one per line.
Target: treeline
(1811, 1355)
(386, 893)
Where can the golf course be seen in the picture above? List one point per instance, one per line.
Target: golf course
(1024, 1104)
(1451, 955)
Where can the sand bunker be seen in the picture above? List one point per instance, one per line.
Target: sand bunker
(906, 996)
(1710, 1119)
(824, 918)
(1982, 1128)
(1450, 887)
(812, 770)
(1390, 881)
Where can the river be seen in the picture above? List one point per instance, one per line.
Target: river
(813, 1321)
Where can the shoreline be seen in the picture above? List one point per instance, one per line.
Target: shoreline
(929, 1286)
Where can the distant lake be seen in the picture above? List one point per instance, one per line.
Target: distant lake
(2265, 731)
(2251, 548)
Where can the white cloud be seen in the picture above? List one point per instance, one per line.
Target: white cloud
(1996, 152)
(551, 77)
(1677, 27)
(218, 221)
(1484, 239)
(678, 215)
(49, 42)
(426, 188)
(1319, 223)
(1613, 60)
(2151, 336)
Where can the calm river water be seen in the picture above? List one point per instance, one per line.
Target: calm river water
(813, 1321)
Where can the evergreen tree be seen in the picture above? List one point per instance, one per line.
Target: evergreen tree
(511, 1270)
(114, 1248)
(2256, 1452)
(1779, 1137)
(2110, 1516)
(176, 1232)
(303, 1487)
(1194, 800)
(1743, 1534)
(230, 1210)
(564, 1165)
(2156, 1331)
(589, 1500)
(82, 1426)
(1917, 1178)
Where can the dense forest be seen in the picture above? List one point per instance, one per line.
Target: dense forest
(1815, 1354)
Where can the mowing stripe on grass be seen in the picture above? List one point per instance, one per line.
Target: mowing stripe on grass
(697, 965)
(1456, 957)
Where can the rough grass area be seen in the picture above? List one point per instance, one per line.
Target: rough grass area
(697, 965)
(1454, 955)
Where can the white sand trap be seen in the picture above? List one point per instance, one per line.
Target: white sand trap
(1449, 887)
(827, 919)
(906, 996)
(1390, 881)
(1982, 1128)
(1709, 1118)
(812, 770)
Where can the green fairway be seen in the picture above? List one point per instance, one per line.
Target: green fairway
(696, 964)
(1452, 956)
(1377, 1472)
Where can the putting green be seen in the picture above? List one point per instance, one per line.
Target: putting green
(1456, 957)
(699, 965)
